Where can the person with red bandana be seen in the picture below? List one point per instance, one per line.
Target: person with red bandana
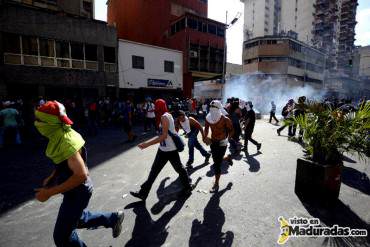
(167, 152)
(70, 178)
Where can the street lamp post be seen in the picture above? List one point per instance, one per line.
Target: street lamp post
(227, 26)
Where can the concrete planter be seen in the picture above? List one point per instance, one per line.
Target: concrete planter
(318, 182)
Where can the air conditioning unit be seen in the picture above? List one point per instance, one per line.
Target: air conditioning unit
(193, 54)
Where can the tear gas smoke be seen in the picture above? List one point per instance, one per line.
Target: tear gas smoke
(261, 90)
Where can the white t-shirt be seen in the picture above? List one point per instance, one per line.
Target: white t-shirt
(149, 108)
(168, 145)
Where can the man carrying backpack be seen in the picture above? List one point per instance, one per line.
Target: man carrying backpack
(191, 127)
(287, 113)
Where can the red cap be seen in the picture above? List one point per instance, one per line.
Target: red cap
(57, 109)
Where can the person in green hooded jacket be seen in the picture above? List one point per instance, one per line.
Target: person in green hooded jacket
(70, 178)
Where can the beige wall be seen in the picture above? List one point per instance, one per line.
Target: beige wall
(364, 69)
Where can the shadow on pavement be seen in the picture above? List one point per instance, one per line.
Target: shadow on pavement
(209, 232)
(24, 167)
(148, 232)
(168, 194)
(224, 169)
(341, 215)
(355, 179)
(254, 165)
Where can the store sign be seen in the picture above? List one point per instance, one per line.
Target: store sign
(159, 83)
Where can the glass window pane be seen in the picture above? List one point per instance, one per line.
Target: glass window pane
(109, 54)
(11, 43)
(62, 49)
(91, 52)
(29, 45)
(137, 62)
(46, 47)
(77, 51)
(168, 66)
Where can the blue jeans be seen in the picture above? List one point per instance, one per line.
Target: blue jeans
(193, 142)
(73, 215)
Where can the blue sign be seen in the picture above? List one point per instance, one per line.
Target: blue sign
(159, 83)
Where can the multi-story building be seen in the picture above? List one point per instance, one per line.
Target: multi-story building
(174, 24)
(284, 58)
(55, 49)
(261, 17)
(326, 24)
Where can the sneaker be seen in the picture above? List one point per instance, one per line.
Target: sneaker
(138, 195)
(229, 160)
(278, 132)
(214, 189)
(208, 156)
(117, 228)
(259, 146)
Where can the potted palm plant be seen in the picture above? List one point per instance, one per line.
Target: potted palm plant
(327, 134)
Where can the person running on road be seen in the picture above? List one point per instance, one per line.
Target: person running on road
(222, 129)
(70, 178)
(272, 112)
(167, 152)
(191, 127)
(249, 122)
(287, 113)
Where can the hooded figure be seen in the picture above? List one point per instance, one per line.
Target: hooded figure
(216, 110)
(160, 109)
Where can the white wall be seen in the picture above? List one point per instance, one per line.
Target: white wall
(299, 21)
(254, 17)
(154, 58)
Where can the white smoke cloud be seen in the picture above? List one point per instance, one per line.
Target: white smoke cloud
(262, 91)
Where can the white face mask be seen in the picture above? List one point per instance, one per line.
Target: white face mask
(248, 107)
(214, 115)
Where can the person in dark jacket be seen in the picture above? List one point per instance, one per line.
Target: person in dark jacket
(249, 122)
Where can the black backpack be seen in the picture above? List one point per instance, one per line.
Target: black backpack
(284, 112)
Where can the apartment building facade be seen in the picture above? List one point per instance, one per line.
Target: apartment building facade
(285, 59)
(46, 51)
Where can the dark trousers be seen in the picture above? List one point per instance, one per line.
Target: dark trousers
(159, 162)
(148, 123)
(73, 215)
(194, 143)
(218, 153)
(291, 129)
(272, 116)
(248, 137)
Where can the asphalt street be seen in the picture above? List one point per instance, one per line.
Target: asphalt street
(254, 192)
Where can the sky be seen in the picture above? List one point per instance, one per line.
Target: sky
(217, 11)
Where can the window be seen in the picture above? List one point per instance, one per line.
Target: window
(193, 24)
(46, 47)
(180, 25)
(220, 31)
(62, 49)
(11, 43)
(29, 45)
(91, 52)
(168, 66)
(212, 29)
(109, 54)
(87, 6)
(137, 62)
(77, 51)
